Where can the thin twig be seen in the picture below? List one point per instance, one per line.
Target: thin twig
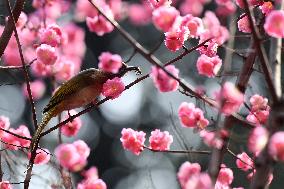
(179, 151)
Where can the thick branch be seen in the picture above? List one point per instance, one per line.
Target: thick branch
(8, 30)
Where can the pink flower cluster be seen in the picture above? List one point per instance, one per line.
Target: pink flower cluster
(110, 62)
(190, 177)
(190, 116)
(14, 143)
(208, 66)
(162, 80)
(91, 180)
(274, 23)
(113, 88)
(73, 156)
(134, 140)
(259, 110)
(230, 98)
(244, 24)
(72, 127)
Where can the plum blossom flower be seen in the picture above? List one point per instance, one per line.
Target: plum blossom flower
(113, 88)
(161, 79)
(190, 116)
(90, 183)
(274, 23)
(244, 162)
(13, 142)
(46, 54)
(91, 173)
(73, 156)
(244, 25)
(164, 17)
(208, 66)
(5, 185)
(276, 146)
(110, 62)
(160, 140)
(99, 25)
(72, 127)
(22, 20)
(194, 25)
(42, 156)
(259, 110)
(230, 98)
(175, 38)
(257, 139)
(133, 140)
(266, 7)
(52, 35)
(186, 171)
(199, 181)
(209, 48)
(225, 176)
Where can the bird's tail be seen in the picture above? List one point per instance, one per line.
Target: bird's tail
(35, 140)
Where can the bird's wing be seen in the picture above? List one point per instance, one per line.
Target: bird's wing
(65, 90)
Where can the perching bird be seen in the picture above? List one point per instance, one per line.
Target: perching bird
(79, 91)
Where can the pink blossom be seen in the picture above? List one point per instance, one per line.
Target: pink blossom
(266, 7)
(12, 56)
(210, 139)
(23, 130)
(226, 9)
(42, 157)
(46, 54)
(139, 14)
(82, 148)
(230, 98)
(110, 62)
(133, 140)
(91, 173)
(5, 185)
(64, 69)
(190, 116)
(276, 146)
(244, 25)
(4, 124)
(225, 176)
(164, 17)
(162, 81)
(160, 140)
(84, 9)
(113, 88)
(208, 66)
(37, 89)
(244, 162)
(274, 24)
(209, 48)
(73, 156)
(257, 139)
(51, 35)
(186, 171)
(199, 181)
(175, 38)
(194, 25)
(92, 184)
(258, 102)
(99, 25)
(41, 69)
(259, 110)
(72, 127)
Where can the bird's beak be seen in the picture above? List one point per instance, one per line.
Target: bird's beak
(125, 68)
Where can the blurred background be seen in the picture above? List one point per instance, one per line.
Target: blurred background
(142, 107)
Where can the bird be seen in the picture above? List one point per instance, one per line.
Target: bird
(81, 90)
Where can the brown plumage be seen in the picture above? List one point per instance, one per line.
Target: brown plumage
(79, 91)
